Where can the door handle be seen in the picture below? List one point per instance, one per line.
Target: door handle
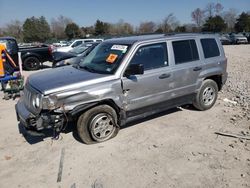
(163, 76)
(197, 68)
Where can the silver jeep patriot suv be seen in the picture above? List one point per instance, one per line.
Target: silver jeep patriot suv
(122, 80)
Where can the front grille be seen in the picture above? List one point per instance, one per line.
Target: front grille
(241, 40)
(29, 92)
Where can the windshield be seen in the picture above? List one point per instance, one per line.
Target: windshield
(79, 49)
(105, 58)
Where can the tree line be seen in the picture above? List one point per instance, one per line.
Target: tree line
(211, 18)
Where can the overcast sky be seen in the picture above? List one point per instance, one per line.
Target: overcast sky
(86, 12)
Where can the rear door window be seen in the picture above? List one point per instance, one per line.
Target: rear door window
(210, 47)
(185, 51)
(88, 41)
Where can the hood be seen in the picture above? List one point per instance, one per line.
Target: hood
(62, 78)
(240, 37)
(71, 61)
(59, 56)
(63, 49)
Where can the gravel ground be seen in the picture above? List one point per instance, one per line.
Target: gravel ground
(177, 148)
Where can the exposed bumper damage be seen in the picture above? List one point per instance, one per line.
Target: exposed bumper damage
(44, 120)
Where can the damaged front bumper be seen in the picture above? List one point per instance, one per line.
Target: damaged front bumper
(37, 122)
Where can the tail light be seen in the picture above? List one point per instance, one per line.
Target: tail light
(51, 49)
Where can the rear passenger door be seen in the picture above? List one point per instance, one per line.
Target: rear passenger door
(187, 66)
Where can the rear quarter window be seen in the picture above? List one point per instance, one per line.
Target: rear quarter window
(210, 47)
(185, 51)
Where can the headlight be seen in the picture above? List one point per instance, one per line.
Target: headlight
(36, 101)
(49, 102)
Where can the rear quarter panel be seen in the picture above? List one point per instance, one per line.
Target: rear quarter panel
(214, 65)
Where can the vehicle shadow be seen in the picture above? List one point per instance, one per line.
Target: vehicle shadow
(135, 122)
(34, 137)
(189, 107)
(148, 118)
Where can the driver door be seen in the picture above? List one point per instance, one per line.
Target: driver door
(153, 86)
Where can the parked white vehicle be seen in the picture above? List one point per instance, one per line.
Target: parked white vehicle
(76, 43)
(61, 43)
(238, 38)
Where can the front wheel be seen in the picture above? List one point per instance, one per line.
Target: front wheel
(207, 95)
(31, 63)
(97, 124)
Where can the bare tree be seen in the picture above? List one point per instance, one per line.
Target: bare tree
(218, 8)
(14, 29)
(230, 17)
(192, 28)
(198, 17)
(1, 32)
(128, 28)
(147, 27)
(121, 28)
(58, 26)
(88, 31)
(210, 8)
(169, 23)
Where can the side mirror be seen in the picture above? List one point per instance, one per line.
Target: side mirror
(134, 69)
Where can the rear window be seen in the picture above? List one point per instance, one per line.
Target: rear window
(88, 41)
(185, 51)
(210, 48)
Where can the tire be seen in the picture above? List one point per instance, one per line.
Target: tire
(6, 96)
(3, 86)
(206, 96)
(31, 63)
(97, 124)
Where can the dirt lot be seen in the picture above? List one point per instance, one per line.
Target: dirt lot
(177, 148)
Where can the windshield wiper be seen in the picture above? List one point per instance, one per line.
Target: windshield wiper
(88, 68)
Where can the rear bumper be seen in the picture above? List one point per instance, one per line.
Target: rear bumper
(37, 122)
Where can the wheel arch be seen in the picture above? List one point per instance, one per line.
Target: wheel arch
(77, 111)
(217, 79)
(28, 55)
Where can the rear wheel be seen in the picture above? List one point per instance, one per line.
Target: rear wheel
(207, 95)
(97, 124)
(31, 63)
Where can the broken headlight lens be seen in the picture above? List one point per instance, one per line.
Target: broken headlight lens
(49, 103)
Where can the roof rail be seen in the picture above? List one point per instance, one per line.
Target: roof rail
(169, 34)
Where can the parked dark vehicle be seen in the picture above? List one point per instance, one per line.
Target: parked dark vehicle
(32, 57)
(225, 39)
(123, 80)
(74, 56)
